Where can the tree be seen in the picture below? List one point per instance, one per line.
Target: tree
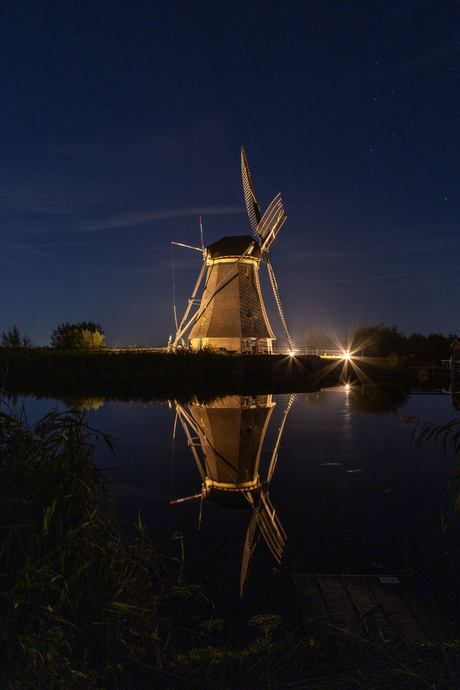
(417, 343)
(13, 339)
(84, 335)
(379, 339)
(438, 344)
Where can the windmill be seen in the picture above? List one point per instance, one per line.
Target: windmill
(230, 433)
(232, 314)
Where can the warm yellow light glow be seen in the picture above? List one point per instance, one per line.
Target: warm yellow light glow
(291, 354)
(346, 355)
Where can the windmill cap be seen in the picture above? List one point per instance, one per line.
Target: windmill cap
(233, 247)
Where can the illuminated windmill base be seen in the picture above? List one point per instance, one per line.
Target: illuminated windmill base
(231, 434)
(232, 314)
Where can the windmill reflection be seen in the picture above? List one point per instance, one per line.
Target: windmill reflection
(229, 434)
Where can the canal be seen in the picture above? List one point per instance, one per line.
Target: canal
(348, 493)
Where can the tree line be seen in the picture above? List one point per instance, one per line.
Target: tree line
(85, 335)
(380, 341)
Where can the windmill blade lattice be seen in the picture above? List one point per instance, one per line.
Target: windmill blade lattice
(278, 301)
(265, 521)
(271, 222)
(252, 537)
(249, 194)
(272, 466)
(271, 529)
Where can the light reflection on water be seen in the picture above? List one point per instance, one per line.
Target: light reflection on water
(349, 496)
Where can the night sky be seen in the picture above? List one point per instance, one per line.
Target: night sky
(121, 123)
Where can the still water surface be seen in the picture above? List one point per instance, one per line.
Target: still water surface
(347, 492)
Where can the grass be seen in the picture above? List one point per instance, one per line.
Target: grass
(80, 605)
(83, 608)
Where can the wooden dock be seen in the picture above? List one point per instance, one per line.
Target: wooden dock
(373, 608)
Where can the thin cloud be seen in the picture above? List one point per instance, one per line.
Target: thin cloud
(129, 219)
(391, 247)
(34, 250)
(388, 283)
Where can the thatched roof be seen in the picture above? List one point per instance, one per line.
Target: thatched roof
(233, 247)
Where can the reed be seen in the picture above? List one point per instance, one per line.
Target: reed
(81, 605)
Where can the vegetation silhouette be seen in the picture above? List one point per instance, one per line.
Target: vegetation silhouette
(378, 400)
(381, 341)
(13, 338)
(84, 335)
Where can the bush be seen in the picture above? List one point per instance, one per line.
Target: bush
(85, 335)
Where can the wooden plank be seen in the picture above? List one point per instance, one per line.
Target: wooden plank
(311, 602)
(373, 623)
(436, 627)
(396, 610)
(340, 607)
(377, 609)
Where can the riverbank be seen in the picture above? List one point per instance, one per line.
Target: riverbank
(142, 375)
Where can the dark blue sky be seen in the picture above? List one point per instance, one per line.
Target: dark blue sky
(121, 123)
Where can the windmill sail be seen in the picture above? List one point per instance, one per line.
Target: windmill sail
(271, 529)
(252, 537)
(278, 301)
(249, 194)
(191, 301)
(265, 521)
(271, 222)
(272, 466)
(266, 228)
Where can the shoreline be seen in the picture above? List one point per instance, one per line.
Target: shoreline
(184, 375)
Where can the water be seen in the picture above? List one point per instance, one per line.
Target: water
(349, 495)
